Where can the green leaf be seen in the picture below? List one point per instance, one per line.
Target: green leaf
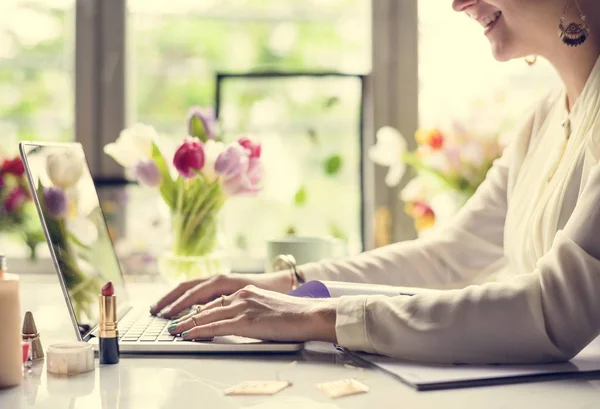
(196, 128)
(332, 101)
(333, 164)
(168, 187)
(301, 197)
(337, 232)
(241, 241)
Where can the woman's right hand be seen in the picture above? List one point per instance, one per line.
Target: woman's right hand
(202, 291)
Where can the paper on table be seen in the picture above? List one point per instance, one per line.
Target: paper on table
(431, 377)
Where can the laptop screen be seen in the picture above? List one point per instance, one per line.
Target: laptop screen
(75, 227)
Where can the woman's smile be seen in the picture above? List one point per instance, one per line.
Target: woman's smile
(490, 22)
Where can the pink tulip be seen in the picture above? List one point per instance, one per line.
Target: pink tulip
(252, 147)
(147, 173)
(231, 161)
(189, 158)
(240, 173)
(16, 198)
(55, 200)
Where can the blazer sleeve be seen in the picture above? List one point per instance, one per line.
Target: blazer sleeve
(469, 247)
(549, 314)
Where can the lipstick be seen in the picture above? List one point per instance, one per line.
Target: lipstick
(109, 335)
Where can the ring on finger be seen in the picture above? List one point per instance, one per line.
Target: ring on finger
(222, 301)
(194, 320)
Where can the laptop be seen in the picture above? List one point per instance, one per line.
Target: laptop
(85, 259)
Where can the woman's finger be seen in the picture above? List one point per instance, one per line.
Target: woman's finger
(206, 317)
(173, 295)
(231, 326)
(200, 294)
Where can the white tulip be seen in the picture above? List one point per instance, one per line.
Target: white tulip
(133, 145)
(65, 168)
(388, 151)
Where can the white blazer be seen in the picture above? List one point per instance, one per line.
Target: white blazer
(534, 223)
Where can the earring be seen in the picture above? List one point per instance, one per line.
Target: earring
(531, 60)
(574, 34)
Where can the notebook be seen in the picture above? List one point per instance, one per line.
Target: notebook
(426, 377)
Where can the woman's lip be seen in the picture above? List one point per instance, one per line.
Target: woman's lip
(491, 26)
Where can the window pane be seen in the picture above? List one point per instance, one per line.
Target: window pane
(177, 48)
(36, 93)
(309, 128)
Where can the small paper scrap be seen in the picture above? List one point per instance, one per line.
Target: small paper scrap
(257, 388)
(345, 387)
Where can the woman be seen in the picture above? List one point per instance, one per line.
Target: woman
(535, 220)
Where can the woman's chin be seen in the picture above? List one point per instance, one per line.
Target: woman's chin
(502, 54)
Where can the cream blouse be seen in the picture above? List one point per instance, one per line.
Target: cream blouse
(534, 222)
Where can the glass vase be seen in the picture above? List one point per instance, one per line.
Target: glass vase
(197, 244)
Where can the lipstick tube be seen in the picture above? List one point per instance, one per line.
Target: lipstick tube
(109, 334)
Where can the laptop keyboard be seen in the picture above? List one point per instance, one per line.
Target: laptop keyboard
(146, 329)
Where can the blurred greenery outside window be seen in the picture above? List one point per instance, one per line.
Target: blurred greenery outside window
(36, 80)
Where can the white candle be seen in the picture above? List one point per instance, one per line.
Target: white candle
(11, 356)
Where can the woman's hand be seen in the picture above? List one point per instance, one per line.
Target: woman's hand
(256, 313)
(203, 291)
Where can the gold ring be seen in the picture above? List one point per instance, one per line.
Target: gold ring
(194, 320)
(198, 309)
(222, 301)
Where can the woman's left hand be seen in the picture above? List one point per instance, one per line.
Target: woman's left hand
(256, 313)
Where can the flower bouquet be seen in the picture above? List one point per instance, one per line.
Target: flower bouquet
(17, 212)
(449, 164)
(194, 182)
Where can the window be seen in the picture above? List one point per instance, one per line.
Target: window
(176, 51)
(36, 83)
(310, 130)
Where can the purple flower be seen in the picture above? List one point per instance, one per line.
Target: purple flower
(56, 202)
(147, 173)
(202, 123)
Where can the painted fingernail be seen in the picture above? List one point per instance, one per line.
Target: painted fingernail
(185, 334)
(172, 327)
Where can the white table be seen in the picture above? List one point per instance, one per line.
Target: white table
(197, 381)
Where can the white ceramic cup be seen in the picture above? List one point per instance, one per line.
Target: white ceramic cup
(305, 249)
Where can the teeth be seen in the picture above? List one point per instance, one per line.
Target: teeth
(489, 20)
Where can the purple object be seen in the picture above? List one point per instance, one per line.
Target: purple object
(312, 289)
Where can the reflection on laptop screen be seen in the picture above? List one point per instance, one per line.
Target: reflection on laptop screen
(78, 236)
